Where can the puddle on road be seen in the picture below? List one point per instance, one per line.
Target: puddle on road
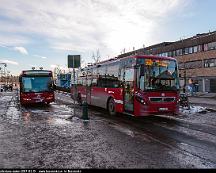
(59, 121)
(123, 130)
(53, 114)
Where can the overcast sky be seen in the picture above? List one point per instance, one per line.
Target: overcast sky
(43, 32)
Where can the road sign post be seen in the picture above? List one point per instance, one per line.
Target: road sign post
(74, 62)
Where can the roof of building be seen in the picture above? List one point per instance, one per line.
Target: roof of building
(198, 39)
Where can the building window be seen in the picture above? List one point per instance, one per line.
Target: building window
(212, 46)
(174, 53)
(179, 52)
(210, 63)
(193, 64)
(190, 49)
(165, 54)
(170, 54)
(195, 49)
(205, 47)
(200, 48)
(186, 50)
(147, 52)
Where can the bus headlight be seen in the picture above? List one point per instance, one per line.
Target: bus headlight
(140, 99)
(26, 99)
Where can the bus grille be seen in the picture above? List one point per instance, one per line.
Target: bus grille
(162, 99)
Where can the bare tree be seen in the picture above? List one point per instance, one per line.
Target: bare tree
(56, 71)
(96, 58)
(82, 62)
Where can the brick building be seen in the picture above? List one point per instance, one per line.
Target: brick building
(196, 57)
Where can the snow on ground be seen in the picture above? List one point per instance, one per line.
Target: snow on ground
(192, 109)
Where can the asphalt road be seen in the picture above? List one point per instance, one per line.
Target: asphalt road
(54, 136)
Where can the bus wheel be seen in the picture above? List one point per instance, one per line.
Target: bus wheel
(111, 107)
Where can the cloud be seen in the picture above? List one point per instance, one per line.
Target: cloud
(2, 45)
(9, 62)
(22, 50)
(11, 39)
(42, 57)
(86, 25)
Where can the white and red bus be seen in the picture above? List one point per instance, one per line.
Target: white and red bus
(36, 86)
(135, 85)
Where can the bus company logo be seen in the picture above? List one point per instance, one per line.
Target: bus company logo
(163, 94)
(38, 96)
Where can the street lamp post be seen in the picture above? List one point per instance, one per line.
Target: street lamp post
(7, 77)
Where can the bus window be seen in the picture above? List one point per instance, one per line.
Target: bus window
(129, 75)
(142, 83)
(94, 82)
(27, 84)
(159, 75)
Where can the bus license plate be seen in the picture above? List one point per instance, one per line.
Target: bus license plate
(163, 109)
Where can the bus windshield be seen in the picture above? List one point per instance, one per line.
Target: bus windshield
(159, 75)
(36, 84)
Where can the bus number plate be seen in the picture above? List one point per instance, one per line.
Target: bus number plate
(163, 109)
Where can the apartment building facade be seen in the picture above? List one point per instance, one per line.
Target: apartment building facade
(196, 57)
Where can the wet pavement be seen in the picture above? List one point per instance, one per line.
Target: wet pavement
(55, 137)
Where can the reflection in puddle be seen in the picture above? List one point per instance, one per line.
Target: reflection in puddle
(26, 117)
(123, 130)
(59, 121)
(13, 113)
(52, 115)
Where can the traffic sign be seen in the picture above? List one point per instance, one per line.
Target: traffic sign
(73, 61)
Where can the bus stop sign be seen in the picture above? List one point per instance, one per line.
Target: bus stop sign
(73, 61)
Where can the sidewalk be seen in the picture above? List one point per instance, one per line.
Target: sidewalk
(204, 100)
(204, 95)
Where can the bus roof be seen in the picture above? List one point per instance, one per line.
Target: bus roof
(131, 56)
(36, 73)
(155, 57)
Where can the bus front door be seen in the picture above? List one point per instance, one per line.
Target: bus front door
(129, 90)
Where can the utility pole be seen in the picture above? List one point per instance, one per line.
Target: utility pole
(85, 103)
(74, 87)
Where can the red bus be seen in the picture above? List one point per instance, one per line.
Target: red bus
(135, 85)
(36, 86)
